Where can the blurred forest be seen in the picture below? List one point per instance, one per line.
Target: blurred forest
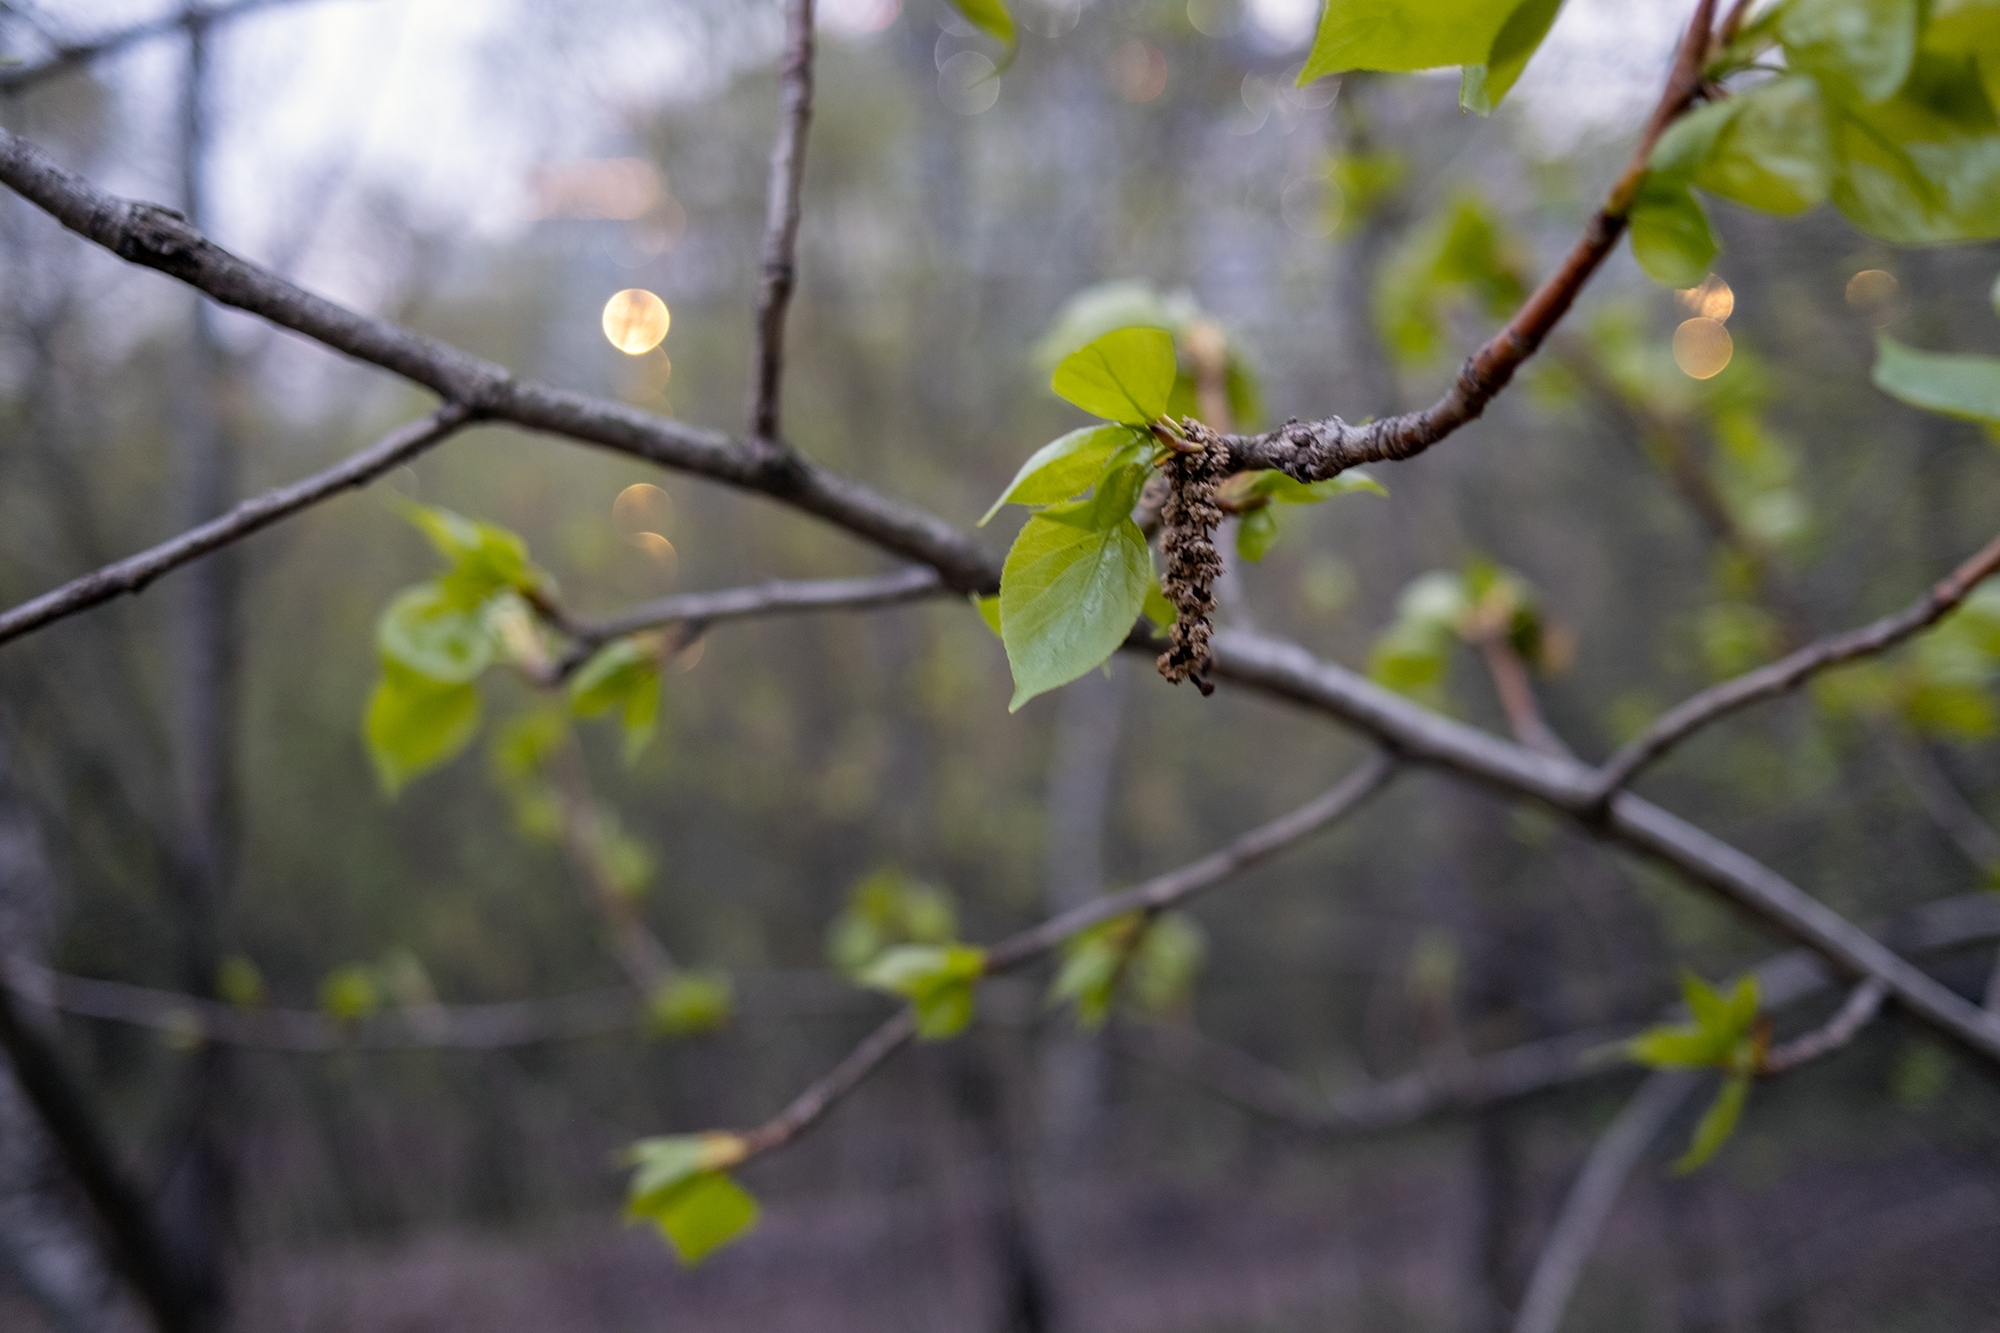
(187, 806)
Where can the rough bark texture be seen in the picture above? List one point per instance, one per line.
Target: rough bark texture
(1187, 539)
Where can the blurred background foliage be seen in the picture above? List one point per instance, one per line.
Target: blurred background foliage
(1655, 509)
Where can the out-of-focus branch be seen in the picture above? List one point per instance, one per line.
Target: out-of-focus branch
(1177, 886)
(1315, 450)
(1788, 673)
(1588, 1204)
(1153, 896)
(133, 573)
(1943, 801)
(1862, 1005)
(774, 598)
(645, 960)
(76, 55)
(1517, 693)
(781, 223)
(1518, 1071)
(140, 1250)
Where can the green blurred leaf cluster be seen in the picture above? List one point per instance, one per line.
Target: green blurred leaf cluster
(1492, 39)
(679, 1184)
(884, 910)
(1462, 252)
(1444, 608)
(1255, 495)
(1157, 955)
(1722, 1035)
(936, 979)
(692, 1004)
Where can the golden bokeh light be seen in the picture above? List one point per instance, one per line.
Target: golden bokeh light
(1871, 287)
(635, 321)
(640, 510)
(1713, 299)
(661, 550)
(1702, 347)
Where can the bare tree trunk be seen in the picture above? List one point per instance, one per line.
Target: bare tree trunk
(46, 1241)
(196, 1184)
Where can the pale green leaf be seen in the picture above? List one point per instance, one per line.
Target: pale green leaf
(989, 611)
(1481, 87)
(991, 17)
(692, 1004)
(1404, 35)
(1923, 168)
(1718, 1122)
(1670, 235)
(1064, 467)
(937, 981)
(680, 1187)
(1126, 375)
(624, 675)
(435, 635)
(413, 724)
(1255, 532)
(1774, 151)
(1859, 50)
(1069, 594)
(1955, 384)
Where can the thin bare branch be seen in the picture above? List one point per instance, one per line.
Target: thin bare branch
(1177, 886)
(781, 223)
(1518, 1071)
(1420, 736)
(1941, 799)
(774, 598)
(1315, 450)
(1517, 695)
(1588, 1204)
(133, 573)
(77, 55)
(1862, 1005)
(1788, 673)
(843, 1078)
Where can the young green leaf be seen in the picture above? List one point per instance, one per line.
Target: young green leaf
(1774, 152)
(692, 1004)
(349, 994)
(1157, 608)
(624, 675)
(989, 611)
(1720, 1035)
(1480, 87)
(1064, 467)
(991, 17)
(1255, 532)
(1956, 385)
(1717, 1123)
(1859, 50)
(937, 981)
(679, 1186)
(1069, 594)
(1400, 35)
(1126, 375)
(1091, 964)
(414, 723)
(484, 556)
(435, 635)
(886, 909)
(1670, 235)
(1168, 959)
(1923, 168)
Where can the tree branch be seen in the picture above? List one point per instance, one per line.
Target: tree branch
(773, 598)
(1588, 1204)
(1863, 1003)
(781, 222)
(1788, 673)
(141, 1252)
(1316, 450)
(133, 573)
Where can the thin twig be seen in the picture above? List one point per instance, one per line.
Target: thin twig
(774, 598)
(76, 55)
(1862, 1005)
(1177, 886)
(843, 1078)
(1315, 450)
(133, 573)
(1517, 694)
(1940, 798)
(1588, 1204)
(1788, 673)
(781, 222)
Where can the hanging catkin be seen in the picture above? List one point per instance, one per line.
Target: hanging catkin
(1187, 539)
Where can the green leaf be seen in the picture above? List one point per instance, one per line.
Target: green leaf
(1255, 532)
(1091, 963)
(484, 556)
(1064, 467)
(1719, 1036)
(1718, 1122)
(1481, 87)
(679, 1186)
(1774, 151)
(414, 723)
(991, 17)
(1157, 608)
(1286, 489)
(624, 675)
(1956, 385)
(1401, 35)
(989, 611)
(1670, 235)
(349, 994)
(435, 635)
(885, 909)
(692, 1004)
(936, 980)
(1168, 959)
(1069, 594)
(1859, 50)
(1126, 375)
(1923, 168)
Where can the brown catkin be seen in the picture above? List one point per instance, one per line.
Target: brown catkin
(1187, 539)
